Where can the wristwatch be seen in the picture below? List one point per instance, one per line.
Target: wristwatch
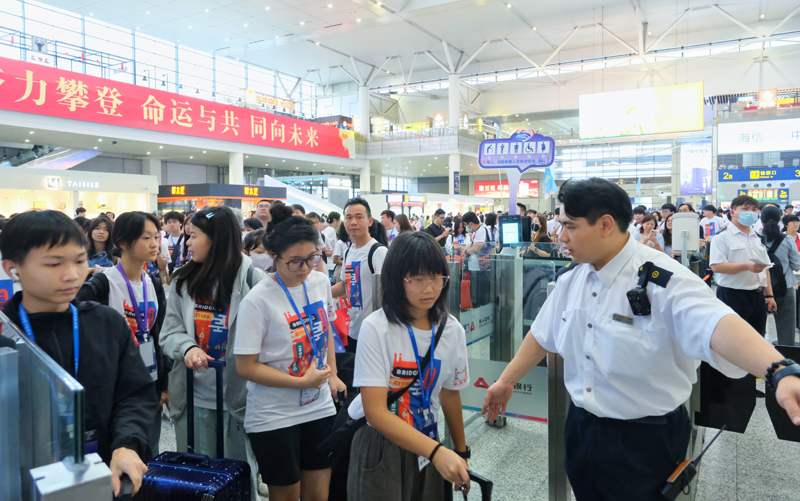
(466, 454)
(790, 368)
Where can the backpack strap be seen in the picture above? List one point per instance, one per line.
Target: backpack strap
(95, 289)
(369, 257)
(249, 278)
(777, 243)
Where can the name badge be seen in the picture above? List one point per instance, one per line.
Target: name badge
(147, 350)
(309, 395)
(622, 319)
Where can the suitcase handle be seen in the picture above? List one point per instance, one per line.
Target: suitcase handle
(218, 367)
(125, 489)
(485, 483)
(197, 459)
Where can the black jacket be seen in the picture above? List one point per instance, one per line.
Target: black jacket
(177, 250)
(96, 289)
(119, 397)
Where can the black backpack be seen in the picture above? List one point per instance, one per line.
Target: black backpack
(776, 276)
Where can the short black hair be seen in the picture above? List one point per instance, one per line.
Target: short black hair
(640, 210)
(129, 226)
(789, 207)
(413, 254)
(334, 216)
(300, 208)
(669, 207)
(31, 230)
(109, 212)
(358, 201)
(710, 208)
(439, 212)
(470, 218)
(522, 207)
(691, 209)
(593, 198)
(388, 213)
(314, 215)
(177, 216)
(253, 240)
(791, 218)
(742, 200)
(252, 223)
(80, 210)
(289, 232)
(264, 200)
(558, 211)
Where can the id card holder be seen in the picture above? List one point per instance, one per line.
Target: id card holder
(147, 350)
(309, 395)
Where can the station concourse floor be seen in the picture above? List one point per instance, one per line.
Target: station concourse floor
(754, 466)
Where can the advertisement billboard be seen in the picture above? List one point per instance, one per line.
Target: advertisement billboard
(758, 137)
(638, 112)
(696, 168)
(528, 188)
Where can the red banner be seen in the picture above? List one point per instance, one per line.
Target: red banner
(528, 188)
(32, 88)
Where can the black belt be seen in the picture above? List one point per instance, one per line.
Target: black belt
(651, 420)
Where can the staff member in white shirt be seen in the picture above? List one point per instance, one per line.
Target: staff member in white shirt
(742, 283)
(361, 264)
(629, 375)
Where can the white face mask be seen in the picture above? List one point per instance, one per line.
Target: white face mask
(261, 261)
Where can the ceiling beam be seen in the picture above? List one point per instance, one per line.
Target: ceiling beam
(299, 81)
(751, 30)
(410, 71)
(356, 80)
(538, 68)
(558, 49)
(458, 63)
(280, 81)
(449, 60)
(473, 56)
(441, 64)
(374, 74)
(642, 28)
(668, 30)
(618, 39)
(358, 72)
(787, 18)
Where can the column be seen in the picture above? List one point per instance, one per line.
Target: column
(235, 168)
(152, 167)
(364, 180)
(454, 101)
(363, 110)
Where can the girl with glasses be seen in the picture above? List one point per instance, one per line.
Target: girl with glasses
(286, 353)
(398, 457)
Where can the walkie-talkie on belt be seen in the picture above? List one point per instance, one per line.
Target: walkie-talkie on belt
(685, 473)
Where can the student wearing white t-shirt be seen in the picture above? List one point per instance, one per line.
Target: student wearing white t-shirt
(285, 351)
(139, 298)
(330, 230)
(399, 454)
(342, 244)
(711, 223)
(554, 223)
(362, 261)
(478, 259)
(201, 323)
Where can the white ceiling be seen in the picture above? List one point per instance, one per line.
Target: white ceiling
(282, 34)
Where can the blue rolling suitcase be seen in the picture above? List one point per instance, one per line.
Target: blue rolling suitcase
(177, 476)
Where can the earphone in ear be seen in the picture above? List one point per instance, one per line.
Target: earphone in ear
(14, 274)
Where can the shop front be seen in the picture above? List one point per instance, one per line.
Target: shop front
(193, 197)
(66, 190)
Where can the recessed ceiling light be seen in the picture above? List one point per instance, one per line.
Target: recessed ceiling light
(245, 25)
(247, 156)
(148, 152)
(190, 158)
(206, 10)
(138, 28)
(266, 165)
(378, 4)
(302, 23)
(323, 170)
(317, 43)
(204, 151)
(160, 146)
(409, 161)
(763, 16)
(100, 140)
(423, 170)
(534, 28)
(387, 71)
(429, 165)
(148, 13)
(27, 140)
(649, 33)
(315, 164)
(190, 27)
(94, 147)
(358, 20)
(283, 160)
(31, 132)
(342, 167)
(436, 158)
(276, 37)
(297, 168)
(266, 8)
(508, 5)
(516, 115)
(91, 14)
(330, 5)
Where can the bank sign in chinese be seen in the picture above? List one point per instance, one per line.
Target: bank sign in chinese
(32, 88)
(528, 188)
(773, 174)
(522, 151)
(759, 136)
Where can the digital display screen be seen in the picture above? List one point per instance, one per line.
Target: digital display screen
(510, 232)
(637, 112)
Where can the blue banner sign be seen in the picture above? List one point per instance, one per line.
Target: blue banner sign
(771, 174)
(522, 151)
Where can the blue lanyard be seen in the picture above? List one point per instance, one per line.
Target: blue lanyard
(26, 325)
(426, 393)
(320, 363)
(141, 318)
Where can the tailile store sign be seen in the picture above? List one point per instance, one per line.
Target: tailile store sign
(516, 154)
(774, 174)
(31, 88)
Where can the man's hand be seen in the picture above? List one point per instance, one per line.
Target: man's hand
(163, 400)
(755, 267)
(127, 461)
(772, 306)
(788, 396)
(497, 399)
(196, 358)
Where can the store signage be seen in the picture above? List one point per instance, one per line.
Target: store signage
(82, 184)
(178, 190)
(456, 183)
(52, 183)
(254, 97)
(394, 199)
(40, 90)
(637, 112)
(775, 174)
(759, 136)
(221, 191)
(767, 98)
(251, 191)
(696, 168)
(501, 189)
(414, 200)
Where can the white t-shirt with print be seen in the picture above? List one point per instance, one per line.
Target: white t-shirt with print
(385, 358)
(330, 241)
(483, 234)
(120, 299)
(359, 288)
(712, 227)
(274, 333)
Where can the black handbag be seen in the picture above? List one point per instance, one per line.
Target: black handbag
(337, 446)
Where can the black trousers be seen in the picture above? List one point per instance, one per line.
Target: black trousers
(616, 460)
(750, 305)
(352, 344)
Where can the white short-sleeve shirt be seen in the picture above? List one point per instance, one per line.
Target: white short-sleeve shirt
(623, 366)
(733, 246)
(358, 281)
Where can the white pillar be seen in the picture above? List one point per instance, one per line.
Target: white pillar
(236, 168)
(454, 165)
(363, 110)
(364, 181)
(152, 167)
(454, 101)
